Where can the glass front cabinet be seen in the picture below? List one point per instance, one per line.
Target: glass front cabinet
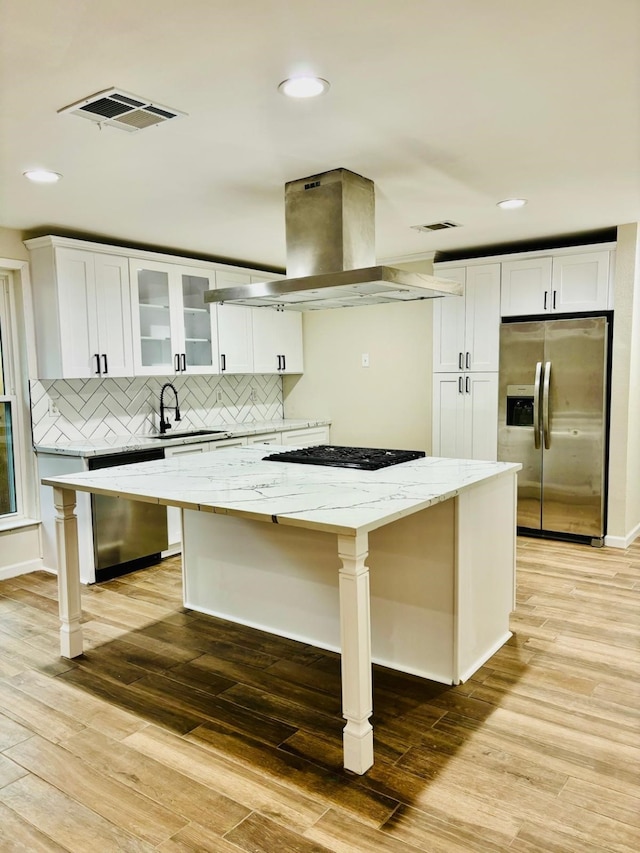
(174, 329)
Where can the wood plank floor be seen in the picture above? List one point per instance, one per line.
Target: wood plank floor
(178, 732)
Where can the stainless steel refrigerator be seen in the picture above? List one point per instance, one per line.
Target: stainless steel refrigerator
(553, 417)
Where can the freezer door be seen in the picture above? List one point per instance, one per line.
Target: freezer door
(521, 350)
(574, 431)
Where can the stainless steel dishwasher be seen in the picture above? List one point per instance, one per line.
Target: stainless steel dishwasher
(127, 535)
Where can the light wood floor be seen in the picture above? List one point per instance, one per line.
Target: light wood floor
(178, 732)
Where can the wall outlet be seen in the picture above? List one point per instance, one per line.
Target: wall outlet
(253, 396)
(365, 359)
(218, 396)
(54, 412)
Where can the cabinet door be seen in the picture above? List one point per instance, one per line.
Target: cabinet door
(526, 287)
(448, 415)
(113, 303)
(264, 438)
(156, 333)
(580, 282)
(290, 337)
(448, 327)
(305, 437)
(75, 274)
(235, 328)
(482, 317)
(277, 341)
(481, 416)
(174, 513)
(199, 321)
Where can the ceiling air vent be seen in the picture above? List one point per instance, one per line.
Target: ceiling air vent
(115, 108)
(436, 226)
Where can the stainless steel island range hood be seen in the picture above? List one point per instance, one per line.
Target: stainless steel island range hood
(330, 232)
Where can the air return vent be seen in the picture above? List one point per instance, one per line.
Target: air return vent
(437, 226)
(115, 108)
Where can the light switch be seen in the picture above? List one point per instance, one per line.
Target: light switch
(365, 359)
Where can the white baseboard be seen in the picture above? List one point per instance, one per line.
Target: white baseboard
(20, 569)
(622, 541)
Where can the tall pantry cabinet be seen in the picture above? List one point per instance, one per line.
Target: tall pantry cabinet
(466, 344)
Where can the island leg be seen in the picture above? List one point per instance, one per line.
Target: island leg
(68, 573)
(355, 632)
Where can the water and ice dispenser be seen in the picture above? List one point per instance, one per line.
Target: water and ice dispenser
(520, 405)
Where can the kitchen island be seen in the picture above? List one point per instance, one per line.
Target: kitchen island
(411, 566)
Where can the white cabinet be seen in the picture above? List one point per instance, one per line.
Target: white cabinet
(466, 330)
(465, 411)
(306, 437)
(82, 312)
(556, 284)
(174, 329)
(277, 341)
(264, 438)
(466, 349)
(235, 328)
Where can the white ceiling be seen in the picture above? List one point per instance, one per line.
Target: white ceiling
(448, 107)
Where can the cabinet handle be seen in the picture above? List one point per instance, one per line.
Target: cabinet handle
(546, 293)
(183, 360)
(468, 360)
(223, 362)
(554, 299)
(105, 366)
(279, 357)
(460, 360)
(459, 384)
(176, 363)
(284, 362)
(467, 383)
(97, 358)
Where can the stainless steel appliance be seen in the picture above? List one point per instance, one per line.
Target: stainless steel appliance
(363, 458)
(331, 255)
(127, 535)
(553, 418)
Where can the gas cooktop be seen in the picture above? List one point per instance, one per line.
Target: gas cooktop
(363, 458)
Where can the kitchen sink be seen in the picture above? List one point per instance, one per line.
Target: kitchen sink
(189, 434)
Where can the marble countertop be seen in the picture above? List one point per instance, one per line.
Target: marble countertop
(237, 481)
(125, 443)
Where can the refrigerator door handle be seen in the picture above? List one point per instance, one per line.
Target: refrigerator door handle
(545, 406)
(536, 407)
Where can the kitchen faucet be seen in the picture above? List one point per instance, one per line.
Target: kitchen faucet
(164, 424)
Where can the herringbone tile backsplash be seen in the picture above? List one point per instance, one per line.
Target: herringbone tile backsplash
(98, 408)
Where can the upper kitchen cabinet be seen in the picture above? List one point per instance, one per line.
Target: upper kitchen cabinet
(277, 341)
(466, 330)
(82, 311)
(557, 283)
(174, 329)
(257, 340)
(235, 328)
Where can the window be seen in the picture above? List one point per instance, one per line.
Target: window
(8, 498)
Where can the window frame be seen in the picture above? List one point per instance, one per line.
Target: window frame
(17, 354)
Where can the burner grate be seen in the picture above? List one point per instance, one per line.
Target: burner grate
(362, 458)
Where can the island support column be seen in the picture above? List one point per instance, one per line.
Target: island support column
(355, 633)
(68, 573)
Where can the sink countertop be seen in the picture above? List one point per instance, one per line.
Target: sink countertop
(124, 443)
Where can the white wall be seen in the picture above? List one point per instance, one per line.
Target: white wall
(624, 467)
(387, 404)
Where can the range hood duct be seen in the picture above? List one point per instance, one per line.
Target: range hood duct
(330, 231)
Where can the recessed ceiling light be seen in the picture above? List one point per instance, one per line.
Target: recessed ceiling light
(303, 87)
(512, 203)
(42, 176)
